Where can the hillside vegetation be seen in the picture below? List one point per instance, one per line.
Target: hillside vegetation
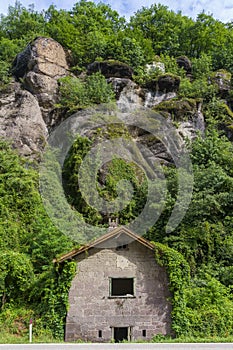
(30, 285)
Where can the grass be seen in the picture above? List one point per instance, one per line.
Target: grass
(8, 338)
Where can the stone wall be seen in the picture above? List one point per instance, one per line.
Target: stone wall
(93, 310)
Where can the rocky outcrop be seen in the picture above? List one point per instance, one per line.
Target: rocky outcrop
(168, 83)
(21, 121)
(27, 106)
(186, 115)
(43, 56)
(184, 62)
(39, 66)
(131, 96)
(111, 69)
(223, 80)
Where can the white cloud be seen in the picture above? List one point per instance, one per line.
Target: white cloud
(222, 10)
(39, 5)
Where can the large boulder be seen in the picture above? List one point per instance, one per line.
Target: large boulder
(43, 56)
(39, 66)
(111, 68)
(168, 83)
(184, 62)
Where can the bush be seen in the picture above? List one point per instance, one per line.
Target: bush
(199, 88)
(201, 67)
(76, 93)
(4, 73)
(209, 308)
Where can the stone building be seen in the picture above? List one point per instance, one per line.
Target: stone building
(119, 291)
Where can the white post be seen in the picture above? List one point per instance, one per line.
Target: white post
(30, 331)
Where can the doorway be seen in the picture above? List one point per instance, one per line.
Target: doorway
(121, 333)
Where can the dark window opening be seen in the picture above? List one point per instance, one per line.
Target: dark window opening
(144, 333)
(122, 247)
(120, 334)
(100, 334)
(122, 287)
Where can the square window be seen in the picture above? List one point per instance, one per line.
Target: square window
(122, 287)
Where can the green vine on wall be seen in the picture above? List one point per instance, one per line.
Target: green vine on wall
(179, 277)
(53, 292)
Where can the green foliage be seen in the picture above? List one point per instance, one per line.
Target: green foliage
(127, 49)
(76, 93)
(178, 275)
(85, 30)
(201, 67)
(28, 239)
(199, 88)
(50, 297)
(16, 276)
(171, 65)
(4, 74)
(217, 113)
(21, 23)
(107, 186)
(162, 26)
(209, 308)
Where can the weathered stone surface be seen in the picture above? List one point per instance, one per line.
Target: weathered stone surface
(153, 98)
(184, 62)
(130, 96)
(38, 83)
(118, 85)
(44, 61)
(168, 83)
(92, 308)
(223, 80)
(40, 65)
(42, 55)
(21, 121)
(186, 115)
(111, 69)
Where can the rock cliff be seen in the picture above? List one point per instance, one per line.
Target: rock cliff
(27, 105)
(28, 110)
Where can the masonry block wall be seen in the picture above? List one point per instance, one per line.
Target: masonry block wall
(94, 313)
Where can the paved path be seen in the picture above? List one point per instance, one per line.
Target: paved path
(134, 346)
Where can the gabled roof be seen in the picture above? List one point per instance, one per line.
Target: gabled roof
(108, 236)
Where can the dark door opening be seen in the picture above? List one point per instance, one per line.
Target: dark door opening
(120, 334)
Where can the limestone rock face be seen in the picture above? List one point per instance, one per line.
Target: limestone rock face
(223, 80)
(21, 121)
(43, 56)
(27, 112)
(27, 107)
(40, 65)
(186, 114)
(110, 69)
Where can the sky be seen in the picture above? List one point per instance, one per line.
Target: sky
(220, 9)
